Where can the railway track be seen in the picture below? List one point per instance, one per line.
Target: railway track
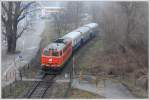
(39, 88)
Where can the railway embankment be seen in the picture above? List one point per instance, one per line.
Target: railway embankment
(30, 65)
(92, 59)
(27, 47)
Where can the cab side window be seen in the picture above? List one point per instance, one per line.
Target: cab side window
(46, 53)
(60, 53)
(65, 48)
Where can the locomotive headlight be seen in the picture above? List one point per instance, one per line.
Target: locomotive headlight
(50, 60)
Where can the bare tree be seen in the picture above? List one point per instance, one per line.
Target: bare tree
(109, 17)
(137, 23)
(12, 14)
(74, 13)
(123, 24)
(69, 19)
(59, 23)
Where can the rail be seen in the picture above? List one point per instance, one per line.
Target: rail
(39, 89)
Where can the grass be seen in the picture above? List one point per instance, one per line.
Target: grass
(76, 94)
(87, 55)
(135, 90)
(57, 90)
(16, 89)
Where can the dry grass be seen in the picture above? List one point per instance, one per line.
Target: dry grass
(135, 90)
(92, 58)
(76, 94)
(16, 89)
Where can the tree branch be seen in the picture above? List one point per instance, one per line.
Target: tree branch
(24, 28)
(17, 9)
(20, 18)
(5, 8)
(4, 33)
(25, 13)
(26, 6)
(4, 20)
(19, 35)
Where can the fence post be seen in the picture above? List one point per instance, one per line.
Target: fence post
(96, 81)
(28, 66)
(24, 69)
(15, 75)
(3, 92)
(10, 88)
(73, 71)
(9, 75)
(6, 76)
(134, 80)
(15, 89)
(80, 76)
(20, 74)
(70, 80)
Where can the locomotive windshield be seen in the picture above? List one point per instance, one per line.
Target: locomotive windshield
(54, 53)
(59, 41)
(46, 53)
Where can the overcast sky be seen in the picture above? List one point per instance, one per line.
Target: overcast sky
(50, 3)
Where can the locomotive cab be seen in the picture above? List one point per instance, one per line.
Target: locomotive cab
(56, 54)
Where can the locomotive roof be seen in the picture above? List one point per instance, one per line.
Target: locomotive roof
(72, 35)
(82, 29)
(91, 25)
(58, 44)
(55, 46)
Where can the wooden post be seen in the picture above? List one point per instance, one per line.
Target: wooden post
(96, 81)
(20, 75)
(10, 88)
(3, 92)
(70, 79)
(28, 66)
(9, 75)
(73, 67)
(6, 76)
(15, 89)
(134, 80)
(80, 76)
(15, 75)
(24, 69)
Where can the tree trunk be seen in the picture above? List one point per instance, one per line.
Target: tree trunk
(11, 44)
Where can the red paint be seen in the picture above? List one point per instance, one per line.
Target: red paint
(57, 61)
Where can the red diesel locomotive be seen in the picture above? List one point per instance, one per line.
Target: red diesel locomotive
(56, 54)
